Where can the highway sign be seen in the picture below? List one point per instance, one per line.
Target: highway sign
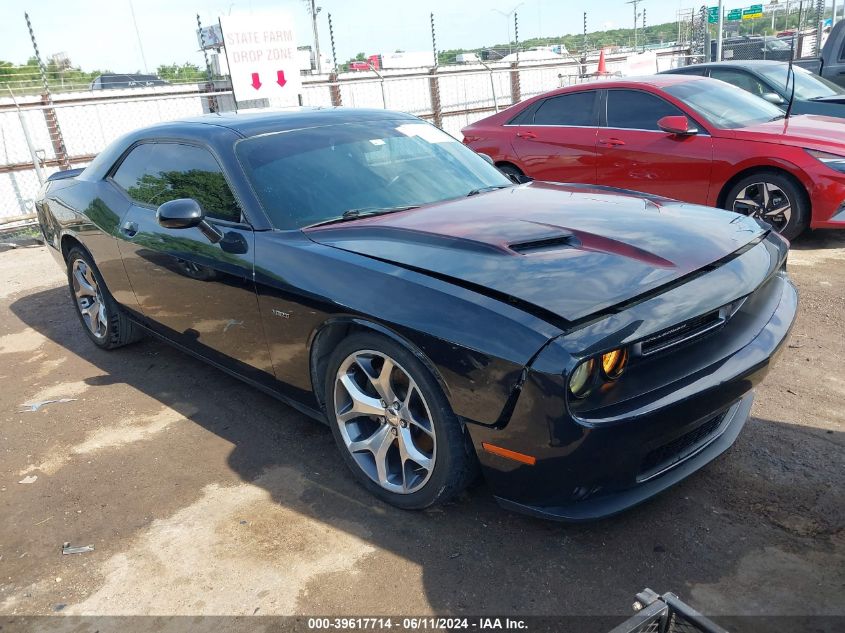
(262, 57)
(734, 15)
(753, 12)
(713, 15)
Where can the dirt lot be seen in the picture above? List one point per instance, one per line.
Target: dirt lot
(203, 496)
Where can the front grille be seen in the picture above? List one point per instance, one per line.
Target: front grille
(684, 332)
(671, 453)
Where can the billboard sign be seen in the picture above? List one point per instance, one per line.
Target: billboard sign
(210, 37)
(262, 57)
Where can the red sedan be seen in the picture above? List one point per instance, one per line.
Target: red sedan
(689, 138)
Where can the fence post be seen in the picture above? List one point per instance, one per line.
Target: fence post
(516, 92)
(56, 138)
(55, 132)
(36, 163)
(334, 89)
(434, 89)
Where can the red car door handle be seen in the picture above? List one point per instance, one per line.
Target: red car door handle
(526, 135)
(613, 142)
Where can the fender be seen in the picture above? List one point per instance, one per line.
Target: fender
(317, 362)
(724, 173)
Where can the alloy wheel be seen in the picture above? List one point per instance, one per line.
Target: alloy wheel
(385, 421)
(765, 201)
(89, 298)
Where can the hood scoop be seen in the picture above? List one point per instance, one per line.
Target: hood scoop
(562, 240)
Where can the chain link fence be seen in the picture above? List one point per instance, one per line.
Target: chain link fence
(780, 32)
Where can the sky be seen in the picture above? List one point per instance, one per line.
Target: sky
(101, 35)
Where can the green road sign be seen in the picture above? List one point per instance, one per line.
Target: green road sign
(734, 15)
(713, 15)
(753, 12)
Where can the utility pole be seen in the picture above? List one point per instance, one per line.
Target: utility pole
(313, 9)
(833, 19)
(636, 19)
(138, 35)
(720, 36)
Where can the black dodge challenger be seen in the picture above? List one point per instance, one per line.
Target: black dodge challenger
(587, 347)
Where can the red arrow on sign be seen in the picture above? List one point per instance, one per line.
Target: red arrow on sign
(256, 83)
(280, 78)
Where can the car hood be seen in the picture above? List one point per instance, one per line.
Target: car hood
(805, 130)
(562, 250)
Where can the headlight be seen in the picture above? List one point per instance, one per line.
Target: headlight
(834, 161)
(581, 380)
(598, 370)
(613, 363)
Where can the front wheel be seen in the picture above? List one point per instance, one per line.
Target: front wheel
(393, 425)
(774, 198)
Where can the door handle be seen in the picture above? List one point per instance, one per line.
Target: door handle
(612, 142)
(129, 228)
(526, 135)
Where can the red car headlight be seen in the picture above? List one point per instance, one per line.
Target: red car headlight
(834, 161)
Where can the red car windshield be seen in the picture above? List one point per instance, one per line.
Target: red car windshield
(724, 105)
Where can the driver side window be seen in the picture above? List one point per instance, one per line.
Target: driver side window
(155, 173)
(637, 110)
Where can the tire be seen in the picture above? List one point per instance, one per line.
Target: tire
(422, 427)
(765, 192)
(100, 315)
(510, 171)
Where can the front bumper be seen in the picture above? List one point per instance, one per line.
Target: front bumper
(605, 505)
(585, 471)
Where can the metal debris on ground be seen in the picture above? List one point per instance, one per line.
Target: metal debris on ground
(35, 406)
(28, 480)
(77, 549)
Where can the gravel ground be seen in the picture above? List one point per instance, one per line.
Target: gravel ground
(203, 496)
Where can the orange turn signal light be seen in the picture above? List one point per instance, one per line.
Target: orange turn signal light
(509, 454)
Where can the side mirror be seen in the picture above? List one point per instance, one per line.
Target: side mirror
(773, 98)
(185, 213)
(679, 125)
(487, 158)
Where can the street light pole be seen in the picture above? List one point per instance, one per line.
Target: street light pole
(313, 9)
(508, 20)
(719, 38)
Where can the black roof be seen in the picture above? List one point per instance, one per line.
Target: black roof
(267, 121)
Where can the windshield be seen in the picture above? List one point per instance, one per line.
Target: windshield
(314, 175)
(724, 105)
(807, 85)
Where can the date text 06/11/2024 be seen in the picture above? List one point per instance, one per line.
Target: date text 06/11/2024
(416, 624)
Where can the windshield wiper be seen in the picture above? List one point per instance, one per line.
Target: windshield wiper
(475, 192)
(364, 212)
(777, 118)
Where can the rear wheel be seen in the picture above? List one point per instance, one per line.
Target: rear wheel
(774, 198)
(393, 425)
(101, 317)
